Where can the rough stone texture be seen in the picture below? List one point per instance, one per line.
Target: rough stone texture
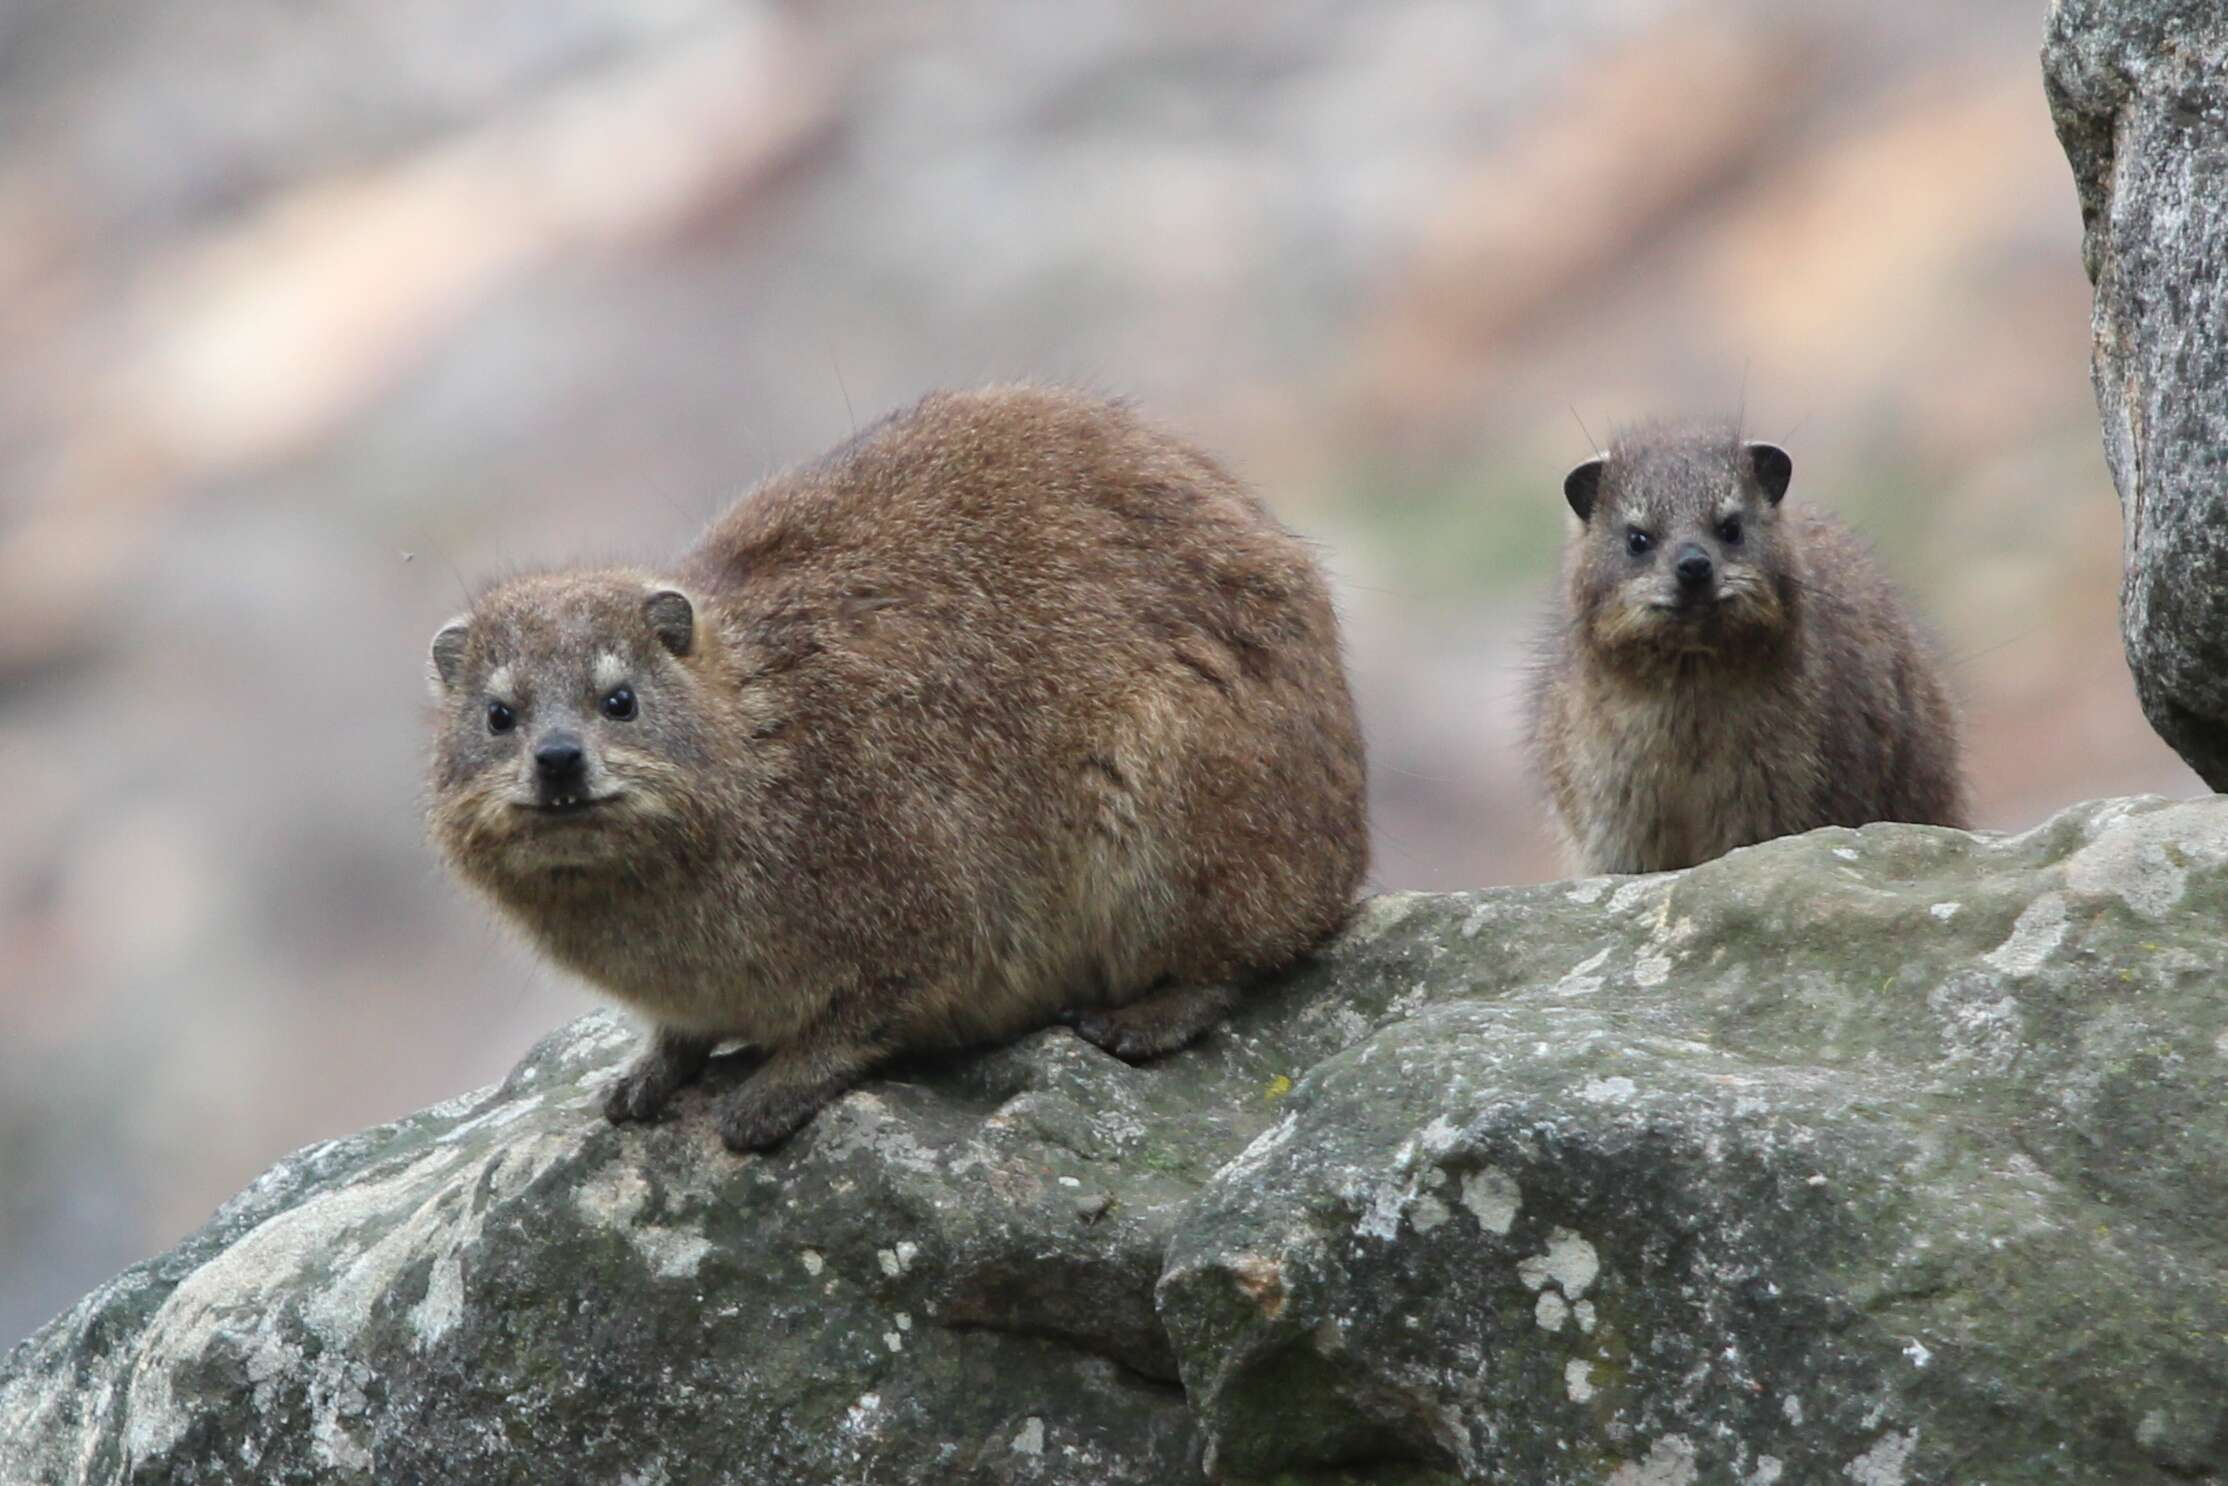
(1882, 1157)
(2139, 91)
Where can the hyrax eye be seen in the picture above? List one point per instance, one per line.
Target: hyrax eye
(1729, 531)
(618, 704)
(1637, 541)
(500, 719)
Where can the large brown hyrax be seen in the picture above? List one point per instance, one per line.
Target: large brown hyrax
(1009, 708)
(1721, 669)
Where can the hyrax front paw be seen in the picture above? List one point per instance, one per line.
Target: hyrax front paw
(637, 1094)
(758, 1118)
(1124, 1039)
(789, 1088)
(1159, 1024)
(651, 1080)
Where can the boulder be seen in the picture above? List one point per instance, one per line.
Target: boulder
(1884, 1156)
(2139, 92)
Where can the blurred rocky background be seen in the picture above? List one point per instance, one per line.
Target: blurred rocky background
(313, 317)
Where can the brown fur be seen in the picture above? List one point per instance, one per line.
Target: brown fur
(1798, 695)
(1008, 707)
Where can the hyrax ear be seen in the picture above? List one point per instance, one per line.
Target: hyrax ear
(1582, 484)
(446, 669)
(1773, 469)
(672, 618)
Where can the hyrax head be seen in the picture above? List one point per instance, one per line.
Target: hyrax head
(1680, 552)
(569, 711)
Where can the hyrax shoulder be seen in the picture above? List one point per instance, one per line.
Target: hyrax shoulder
(1721, 669)
(1009, 707)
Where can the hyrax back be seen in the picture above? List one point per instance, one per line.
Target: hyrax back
(1011, 706)
(1722, 670)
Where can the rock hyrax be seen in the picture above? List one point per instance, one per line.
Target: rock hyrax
(1722, 670)
(1010, 707)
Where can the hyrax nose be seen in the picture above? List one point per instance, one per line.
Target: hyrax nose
(559, 759)
(1694, 566)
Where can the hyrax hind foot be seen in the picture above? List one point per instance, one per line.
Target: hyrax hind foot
(1161, 1023)
(671, 1060)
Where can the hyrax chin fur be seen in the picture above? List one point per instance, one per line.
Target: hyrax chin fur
(1008, 709)
(1722, 670)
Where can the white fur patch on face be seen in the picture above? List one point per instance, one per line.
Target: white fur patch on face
(499, 685)
(610, 671)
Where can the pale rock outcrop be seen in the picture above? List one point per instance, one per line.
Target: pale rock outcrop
(1887, 1156)
(2139, 92)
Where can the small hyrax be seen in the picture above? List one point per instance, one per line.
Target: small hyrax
(1722, 670)
(1010, 707)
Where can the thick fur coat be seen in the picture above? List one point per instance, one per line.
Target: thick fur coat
(1009, 708)
(1721, 670)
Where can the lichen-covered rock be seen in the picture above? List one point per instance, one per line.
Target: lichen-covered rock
(2139, 91)
(1887, 1156)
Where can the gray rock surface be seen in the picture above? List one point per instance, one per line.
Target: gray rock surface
(2139, 92)
(1882, 1157)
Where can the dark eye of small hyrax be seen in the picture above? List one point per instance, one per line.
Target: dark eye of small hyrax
(500, 719)
(618, 705)
(1729, 531)
(1637, 541)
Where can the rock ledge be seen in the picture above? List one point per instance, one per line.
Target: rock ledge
(1884, 1156)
